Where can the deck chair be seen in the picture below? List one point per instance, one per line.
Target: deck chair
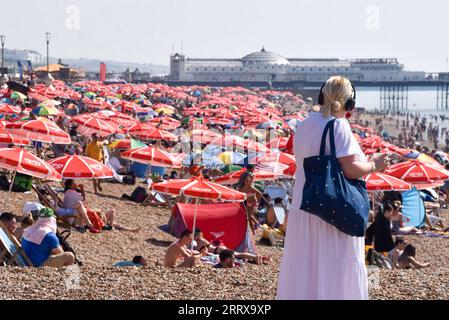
(157, 199)
(279, 212)
(50, 199)
(11, 250)
(276, 191)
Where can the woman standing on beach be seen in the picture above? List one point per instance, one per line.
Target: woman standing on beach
(320, 262)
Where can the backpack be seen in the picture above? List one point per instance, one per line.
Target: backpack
(139, 195)
(379, 260)
(22, 183)
(62, 237)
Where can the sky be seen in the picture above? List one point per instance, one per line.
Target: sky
(146, 30)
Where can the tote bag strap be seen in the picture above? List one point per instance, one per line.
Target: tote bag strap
(329, 126)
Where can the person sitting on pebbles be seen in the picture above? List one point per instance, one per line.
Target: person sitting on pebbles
(407, 259)
(178, 249)
(75, 197)
(41, 244)
(217, 247)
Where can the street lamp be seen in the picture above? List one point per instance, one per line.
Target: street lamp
(48, 80)
(3, 78)
(47, 37)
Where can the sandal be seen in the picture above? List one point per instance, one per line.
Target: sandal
(80, 229)
(265, 259)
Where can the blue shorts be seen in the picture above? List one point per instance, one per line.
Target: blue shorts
(446, 185)
(63, 212)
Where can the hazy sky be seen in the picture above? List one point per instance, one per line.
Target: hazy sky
(145, 30)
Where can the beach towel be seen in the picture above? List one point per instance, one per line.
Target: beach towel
(37, 232)
(435, 234)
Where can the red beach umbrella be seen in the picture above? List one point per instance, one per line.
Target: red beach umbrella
(79, 167)
(155, 134)
(8, 138)
(89, 125)
(150, 155)
(39, 130)
(204, 136)
(384, 182)
(9, 109)
(415, 171)
(233, 177)
(20, 160)
(199, 188)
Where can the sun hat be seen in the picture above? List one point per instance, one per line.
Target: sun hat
(46, 213)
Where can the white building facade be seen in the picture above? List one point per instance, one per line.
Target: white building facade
(265, 66)
(12, 56)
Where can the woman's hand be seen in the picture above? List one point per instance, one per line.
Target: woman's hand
(381, 162)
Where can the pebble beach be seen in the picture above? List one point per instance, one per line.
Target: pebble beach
(97, 279)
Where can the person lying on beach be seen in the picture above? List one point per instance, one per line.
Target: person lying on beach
(217, 247)
(138, 261)
(226, 260)
(399, 246)
(407, 259)
(178, 249)
(41, 244)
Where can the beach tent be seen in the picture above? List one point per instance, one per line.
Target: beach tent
(226, 222)
(413, 208)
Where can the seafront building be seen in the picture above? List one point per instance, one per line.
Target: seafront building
(266, 66)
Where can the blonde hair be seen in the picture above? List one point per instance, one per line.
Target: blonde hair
(337, 91)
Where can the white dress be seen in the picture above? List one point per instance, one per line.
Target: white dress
(320, 262)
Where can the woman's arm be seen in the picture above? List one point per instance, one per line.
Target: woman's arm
(354, 169)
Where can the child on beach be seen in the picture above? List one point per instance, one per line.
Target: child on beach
(399, 246)
(407, 259)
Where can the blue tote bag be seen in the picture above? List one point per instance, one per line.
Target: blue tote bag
(329, 195)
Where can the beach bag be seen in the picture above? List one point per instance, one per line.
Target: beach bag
(329, 195)
(378, 260)
(22, 183)
(139, 195)
(62, 237)
(95, 219)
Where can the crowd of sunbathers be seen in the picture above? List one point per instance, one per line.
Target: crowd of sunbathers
(389, 221)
